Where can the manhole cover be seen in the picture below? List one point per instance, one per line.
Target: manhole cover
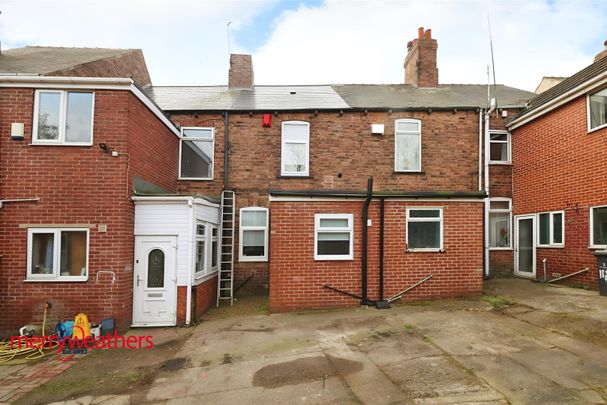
(174, 364)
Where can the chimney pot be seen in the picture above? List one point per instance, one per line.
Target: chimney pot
(420, 32)
(428, 34)
(601, 54)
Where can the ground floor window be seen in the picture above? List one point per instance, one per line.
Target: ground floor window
(333, 236)
(598, 227)
(500, 218)
(424, 229)
(206, 249)
(551, 229)
(57, 254)
(253, 234)
(201, 251)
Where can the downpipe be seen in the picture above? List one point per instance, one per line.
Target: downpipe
(364, 272)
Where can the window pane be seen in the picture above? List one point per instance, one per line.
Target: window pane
(498, 137)
(557, 228)
(333, 243)
(78, 117)
(214, 252)
(156, 269)
(295, 156)
(499, 152)
(214, 231)
(407, 126)
(499, 205)
(253, 243)
(196, 159)
(544, 229)
(49, 107)
(206, 133)
(598, 109)
(200, 229)
(499, 229)
(73, 253)
(254, 218)
(334, 222)
(407, 152)
(200, 256)
(424, 235)
(599, 226)
(424, 213)
(294, 132)
(42, 253)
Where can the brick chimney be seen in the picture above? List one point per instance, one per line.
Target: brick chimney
(601, 54)
(420, 63)
(241, 72)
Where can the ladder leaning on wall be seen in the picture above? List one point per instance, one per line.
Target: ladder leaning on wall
(225, 281)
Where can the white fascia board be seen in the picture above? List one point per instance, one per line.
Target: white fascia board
(275, 198)
(564, 98)
(173, 199)
(88, 83)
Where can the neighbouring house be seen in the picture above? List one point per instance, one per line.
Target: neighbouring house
(548, 82)
(559, 149)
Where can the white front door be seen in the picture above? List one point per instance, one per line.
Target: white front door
(524, 246)
(155, 281)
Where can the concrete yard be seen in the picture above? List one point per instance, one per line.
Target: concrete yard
(441, 352)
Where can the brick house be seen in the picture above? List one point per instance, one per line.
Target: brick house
(559, 147)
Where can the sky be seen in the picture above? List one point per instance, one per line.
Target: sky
(186, 42)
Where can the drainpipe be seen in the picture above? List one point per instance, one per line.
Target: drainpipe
(381, 249)
(486, 221)
(188, 304)
(226, 166)
(364, 297)
(480, 150)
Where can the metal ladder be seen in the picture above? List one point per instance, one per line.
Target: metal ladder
(225, 283)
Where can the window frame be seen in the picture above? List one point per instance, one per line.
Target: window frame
(588, 114)
(591, 223)
(182, 139)
(419, 134)
(62, 118)
(283, 172)
(198, 238)
(242, 228)
(56, 275)
(551, 243)
(502, 211)
(508, 143)
(213, 239)
(318, 229)
(438, 219)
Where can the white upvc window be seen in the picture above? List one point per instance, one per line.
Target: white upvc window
(500, 147)
(57, 254)
(63, 118)
(196, 153)
(424, 229)
(598, 227)
(407, 145)
(597, 110)
(295, 149)
(253, 234)
(215, 252)
(206, 249)
(333, 236)
(551, 229)
(500, 223)
(201, 250)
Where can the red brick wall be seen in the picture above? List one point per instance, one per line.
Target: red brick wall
(204, 296)
(76, 186)
(297, 279)
(558, 165)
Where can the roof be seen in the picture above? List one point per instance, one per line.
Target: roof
(40, 60)
(563, 88)
(333, 97)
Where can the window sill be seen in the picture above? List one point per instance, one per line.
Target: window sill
(498, 249)
(194, 179)
(408, 172)
(332, 259)
(591, 130)
(60, 144)
(597, 247)
(550, 246)
(498, 163)
(253, 259)
(425, 250)
(201, 278)
(293, 176)
(56, 280)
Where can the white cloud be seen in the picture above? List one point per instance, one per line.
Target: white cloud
(365, 42)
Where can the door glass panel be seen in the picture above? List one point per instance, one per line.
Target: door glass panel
(525, 245)
(156, 269)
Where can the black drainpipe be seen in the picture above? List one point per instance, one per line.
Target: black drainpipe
(381, 249)
(364, 300)
(226, 167)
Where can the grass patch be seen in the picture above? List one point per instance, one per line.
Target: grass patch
(409, 327)
(496, 301)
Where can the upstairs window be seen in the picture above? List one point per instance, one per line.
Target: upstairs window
(57, 254)
(499, 147)
(551, 229)
(597, 105)
(407, 145)
(500, 218)
(196, 153)
(598, 227)
(424, 229)
(63, 118)
(333, 236)
(253, 234)
(295, 148)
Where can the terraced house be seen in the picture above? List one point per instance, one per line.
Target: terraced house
(147, 203)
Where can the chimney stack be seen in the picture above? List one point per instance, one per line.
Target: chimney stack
(601, 54)
(420, 62)
(241, 72)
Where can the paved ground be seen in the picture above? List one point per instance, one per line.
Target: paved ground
(454, 351)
